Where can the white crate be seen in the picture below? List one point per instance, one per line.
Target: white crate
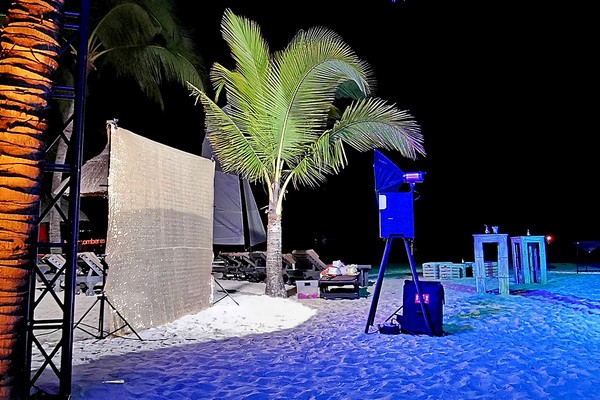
(450, 271)
(307, 289)
(431, 270)
(491, 268)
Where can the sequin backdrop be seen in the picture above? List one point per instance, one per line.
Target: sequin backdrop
(160, 228)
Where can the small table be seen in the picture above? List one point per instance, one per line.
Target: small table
(339, 287)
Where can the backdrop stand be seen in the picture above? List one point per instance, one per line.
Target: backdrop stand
(102, 299)
(227, 294)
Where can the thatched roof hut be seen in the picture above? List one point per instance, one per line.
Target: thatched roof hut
(94, 172)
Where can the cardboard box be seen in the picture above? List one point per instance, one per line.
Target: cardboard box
(308, 289)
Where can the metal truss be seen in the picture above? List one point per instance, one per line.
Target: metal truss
(58, 359)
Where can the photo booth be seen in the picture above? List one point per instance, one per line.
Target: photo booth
(396, 195)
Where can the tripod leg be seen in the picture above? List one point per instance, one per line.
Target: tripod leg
(86, 313)
(101, 316)
(226, 292)
(123, 319)
(102, 298)
(384, 261)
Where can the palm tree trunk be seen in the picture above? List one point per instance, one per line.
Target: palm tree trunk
(274, 282)
(29, 51)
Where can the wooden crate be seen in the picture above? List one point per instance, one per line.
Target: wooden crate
(431, 270)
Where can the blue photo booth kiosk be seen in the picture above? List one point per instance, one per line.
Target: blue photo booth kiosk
(422, 301)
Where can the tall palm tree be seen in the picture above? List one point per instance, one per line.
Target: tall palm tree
(140, 41)
(29, 51)
(280, 124)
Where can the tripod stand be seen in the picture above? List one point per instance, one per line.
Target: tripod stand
(224, 290)
(415, 275)
(103, 300)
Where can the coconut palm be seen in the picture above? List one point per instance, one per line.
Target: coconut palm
(140, 41)
(280, 124)
(29, 51)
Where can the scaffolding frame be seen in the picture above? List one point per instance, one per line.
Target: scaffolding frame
(75, 32)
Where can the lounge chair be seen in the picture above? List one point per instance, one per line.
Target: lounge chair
(309, 262)
(291, 273)
(231, 268)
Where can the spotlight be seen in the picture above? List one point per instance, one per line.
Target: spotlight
(414, 177)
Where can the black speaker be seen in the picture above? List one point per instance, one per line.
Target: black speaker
(412, 320)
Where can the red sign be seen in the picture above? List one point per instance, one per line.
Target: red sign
(425, 298)
(87, 242)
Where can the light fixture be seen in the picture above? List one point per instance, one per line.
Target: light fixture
(414, 177)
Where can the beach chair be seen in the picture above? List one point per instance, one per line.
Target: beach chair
(259, 258)
(232, 266)
(245, 266)
(254, 265)
(309, 262)
(90, 273)
(291, 274)
(219, 266)
(51, 271)
(289, 262)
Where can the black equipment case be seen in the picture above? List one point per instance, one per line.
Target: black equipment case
(412, 320)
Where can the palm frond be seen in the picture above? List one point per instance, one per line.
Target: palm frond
(323, 157)
(163, 13)
(312, 69)
(233, 149)
(364, 126)
(248, 48)
(245, 111)
(249, 89)
(125, 25)
(142, 41)
(372, 123)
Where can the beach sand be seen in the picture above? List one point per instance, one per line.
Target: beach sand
(539, 342)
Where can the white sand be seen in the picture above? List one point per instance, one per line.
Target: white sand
(540, 342)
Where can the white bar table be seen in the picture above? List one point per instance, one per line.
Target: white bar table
(529, 259)
(501, 239)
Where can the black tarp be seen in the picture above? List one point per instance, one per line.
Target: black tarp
(236, 220)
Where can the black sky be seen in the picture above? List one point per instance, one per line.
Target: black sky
(506, 95)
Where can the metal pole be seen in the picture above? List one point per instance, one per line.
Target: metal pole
(384, 261)
(74, 203)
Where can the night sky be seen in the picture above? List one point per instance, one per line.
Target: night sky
(505, 94)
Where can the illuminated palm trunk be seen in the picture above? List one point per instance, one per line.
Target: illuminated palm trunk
(28, 59)
(274, 283)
